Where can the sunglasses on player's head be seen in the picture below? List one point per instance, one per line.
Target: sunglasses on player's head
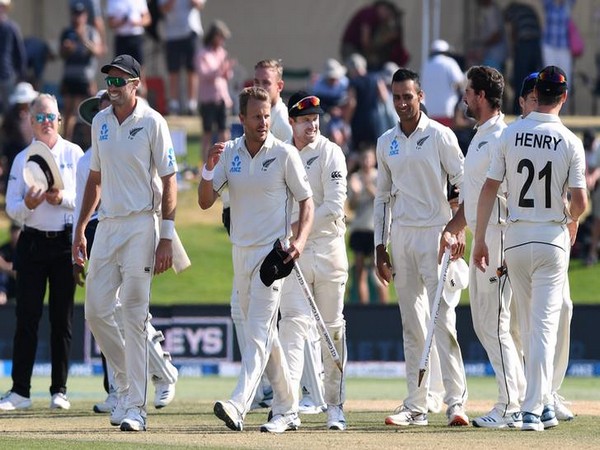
(552, 77)
(41, 117)
(119, 81)
(307, 102)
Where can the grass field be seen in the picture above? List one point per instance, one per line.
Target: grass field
(189, 422)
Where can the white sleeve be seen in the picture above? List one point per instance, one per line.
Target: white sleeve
(16, 190)
(382, 203)
(333, 178)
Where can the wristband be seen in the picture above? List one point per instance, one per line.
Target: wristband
(207, 174)
(167, 229)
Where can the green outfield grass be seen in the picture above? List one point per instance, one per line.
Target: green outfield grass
(189, 422)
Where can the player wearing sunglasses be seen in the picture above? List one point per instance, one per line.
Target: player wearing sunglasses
(324, 262)
(133, 250)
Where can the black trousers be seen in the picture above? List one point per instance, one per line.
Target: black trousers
(43, 260)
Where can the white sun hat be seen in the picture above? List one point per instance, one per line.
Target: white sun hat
(41, 170)
(23, 93)
(457, 277)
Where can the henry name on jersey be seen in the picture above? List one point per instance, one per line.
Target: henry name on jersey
(540, 141)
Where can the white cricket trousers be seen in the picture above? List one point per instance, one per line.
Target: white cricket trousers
(324, 264)
(122, 261)
(416, 275)
(490, 297)
(259, 306)
(536, 256)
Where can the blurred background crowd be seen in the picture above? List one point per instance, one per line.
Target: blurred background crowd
(191, 46)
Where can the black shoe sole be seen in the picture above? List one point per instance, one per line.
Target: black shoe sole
(126, 427)
(222, 414)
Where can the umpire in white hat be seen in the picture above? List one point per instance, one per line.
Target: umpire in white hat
(41, 196)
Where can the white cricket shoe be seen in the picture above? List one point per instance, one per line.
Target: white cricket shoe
(403, 416)
(118, 413)
(281, 423)
(307, 406)
(12, 401)
(560, 408)
(135, 420)
(495, 419)
(456, 416)
(107, 405)
(435, 403)
(335, 418)
(59, 401)
(548, 417)
(532, 422)
(229, 414)
(164, 393)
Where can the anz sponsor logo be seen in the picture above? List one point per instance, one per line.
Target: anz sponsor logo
(394, 147)
(266, 163)
(421, 141)
(236, 165)
(103, 132)
(133, 132)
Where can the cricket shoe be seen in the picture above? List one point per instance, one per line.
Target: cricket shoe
(135, 420)
(107, 405)
(307, 406)
(495, 419)
(164, 393)
(229, 414)
(59, 401)
(281, 423)
(532, 422)
(404, 416)
(560, 408)
(548, 417)
(435, 403)
(118, 413)
(12, 401)
(456, 416)
(335, 418)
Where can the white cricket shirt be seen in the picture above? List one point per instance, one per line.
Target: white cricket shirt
(131, 158)
(261, 189)
(325, 166)
(412, 176)
(477, 162)
(540, 158)
(45, 217)
(280, 123)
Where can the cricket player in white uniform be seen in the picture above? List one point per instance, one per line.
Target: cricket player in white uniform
(528, 103)
(489, 293)
(415, 160)
(264, 176)
(164, 374)
(131, 146)
(324, 262)
(268, 74)
(539, 158)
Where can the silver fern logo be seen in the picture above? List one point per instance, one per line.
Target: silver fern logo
(266, 163)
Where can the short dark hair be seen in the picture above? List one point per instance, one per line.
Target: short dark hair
(488, 80)
(404, 74)
(252, 92)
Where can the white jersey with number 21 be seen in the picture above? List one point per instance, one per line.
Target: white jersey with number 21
(540, 159)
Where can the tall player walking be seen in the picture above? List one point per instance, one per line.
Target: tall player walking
(490, 295)
(539, 158)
